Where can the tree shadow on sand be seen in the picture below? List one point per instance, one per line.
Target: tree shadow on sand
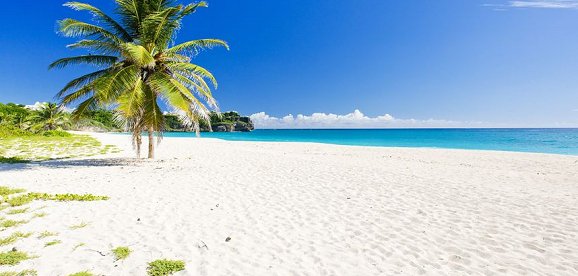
(70, 163)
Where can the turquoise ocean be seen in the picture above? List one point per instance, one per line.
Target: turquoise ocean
(556, 141)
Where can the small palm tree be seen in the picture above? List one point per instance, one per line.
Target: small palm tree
(49, 116)
(139, 66)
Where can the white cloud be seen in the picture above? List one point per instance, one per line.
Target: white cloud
(543, 4)
(39, 105)
(356, 119)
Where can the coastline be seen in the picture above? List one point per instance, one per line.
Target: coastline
(308, 209)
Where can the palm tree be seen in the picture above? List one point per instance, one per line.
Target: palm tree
(139, 65)
(49, 116)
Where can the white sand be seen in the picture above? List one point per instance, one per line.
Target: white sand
(307, 209)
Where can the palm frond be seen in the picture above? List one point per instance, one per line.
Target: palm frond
(101, 17)
(81, 81)
(138, 55)
(96, 60)
(99, 46)
(74, 28)
(189, 70)
(193, 47)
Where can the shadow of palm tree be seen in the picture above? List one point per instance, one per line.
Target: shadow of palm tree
(69, 163)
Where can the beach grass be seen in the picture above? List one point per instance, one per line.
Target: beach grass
(23, 149)
(121, 252)
(21, 200)
(28, 272)
(165, 267)
(46, 234)
(11, 223)
(5, 191)
(13, 238)
(78, 226)
(78, 246)
(17, 211)
(13, 257)
(51, 243)
(82, 273)
(40, 215)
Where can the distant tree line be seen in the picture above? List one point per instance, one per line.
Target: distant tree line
(49, 118)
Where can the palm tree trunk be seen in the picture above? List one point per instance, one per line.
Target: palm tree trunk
(138, 142)
(151, 144)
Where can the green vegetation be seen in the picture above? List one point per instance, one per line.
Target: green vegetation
(4, 191)
(29, 197)
(11, 223)
(28, 272)
(67, 197)
(218, 122)
(46, 234)
(51, 243)
(48, 118)
(19, 200)
(39, 215)
(78, 245)
(78, 226)
(165, 267)
(23, 149)
(121, 252)
(13, 257)
(13, 238)
(138, 67)
(82, 273)
(17, 211)
(36, 135)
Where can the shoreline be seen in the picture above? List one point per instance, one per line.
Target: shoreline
(306, 209)
(368, 147)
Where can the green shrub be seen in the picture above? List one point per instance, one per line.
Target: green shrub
(9, 131)
(56, 133)
(165, 267)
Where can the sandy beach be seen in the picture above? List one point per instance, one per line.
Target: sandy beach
(250, 208)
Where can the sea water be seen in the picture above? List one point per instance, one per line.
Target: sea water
(557, 141)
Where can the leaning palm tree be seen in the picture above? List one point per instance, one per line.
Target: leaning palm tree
(139, 66)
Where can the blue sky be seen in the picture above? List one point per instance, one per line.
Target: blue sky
(452, 62)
